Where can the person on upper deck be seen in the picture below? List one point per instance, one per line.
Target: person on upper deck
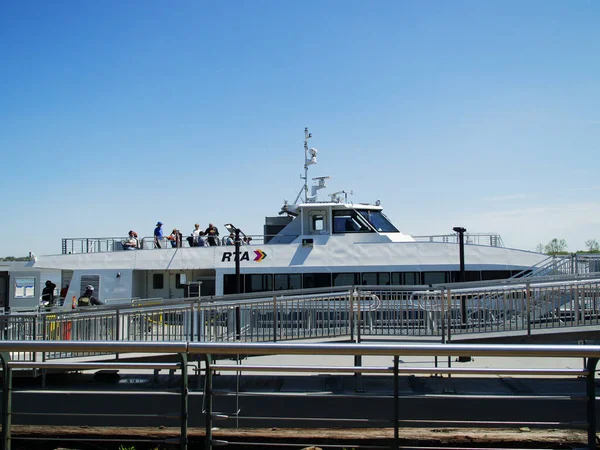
(230, 239)
(175, 238)
(212, 234)
(88, 299)
(131, 243)
(202, 239)
(158, 235)
(195, 235)
(48, 293)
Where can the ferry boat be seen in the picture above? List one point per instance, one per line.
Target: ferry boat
(308, 244)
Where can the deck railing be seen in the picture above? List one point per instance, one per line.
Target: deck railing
(113, 244)
(489, 239)
(530, 354)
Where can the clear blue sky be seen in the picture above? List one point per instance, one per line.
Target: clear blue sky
(116, 114)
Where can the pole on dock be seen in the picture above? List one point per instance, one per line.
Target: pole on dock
(463, 300)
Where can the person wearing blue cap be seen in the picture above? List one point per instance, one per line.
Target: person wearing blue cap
(158, 235)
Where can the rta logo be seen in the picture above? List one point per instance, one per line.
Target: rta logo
(259, 255)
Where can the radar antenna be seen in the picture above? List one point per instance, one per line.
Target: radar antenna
(320, 185)
(335, 197)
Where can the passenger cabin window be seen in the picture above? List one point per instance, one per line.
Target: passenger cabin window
(345, 279)
(158, 281)
(316, 280)
(285, 281)
(376, 278)
(87, 280)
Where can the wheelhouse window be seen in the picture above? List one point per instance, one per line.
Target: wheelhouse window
(379, 221)
(318, 222)
(349, 221)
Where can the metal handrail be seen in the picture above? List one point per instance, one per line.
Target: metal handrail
(432, 312)
(487, 239)
(206, 350)
(114, 243)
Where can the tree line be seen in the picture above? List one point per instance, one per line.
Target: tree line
(559, 247)
(15, 258)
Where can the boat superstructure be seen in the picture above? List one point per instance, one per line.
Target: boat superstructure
(308, 244)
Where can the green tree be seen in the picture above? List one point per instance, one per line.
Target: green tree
(556, 246)
(592, 245)
(539, 248)
(13, 258)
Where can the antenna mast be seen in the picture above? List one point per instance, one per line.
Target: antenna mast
(307, 162)
(307, 136)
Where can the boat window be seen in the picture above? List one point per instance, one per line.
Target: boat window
(376, 278)
(318, 223)
(348, 221)
(180, 280)
(158, 281)
(229, 285)
(316, 280)
(285, 281)
(258, 282)
(87, 280)
(495, 274)
(345, 279)
(406, 278)
(435, 277)
(470, 275)
(24, 287)
(378, 220)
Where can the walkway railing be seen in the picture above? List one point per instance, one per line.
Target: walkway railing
(528, 353)
(439, 313)
(574, 263)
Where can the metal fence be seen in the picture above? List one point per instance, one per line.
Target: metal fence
(438, 312)
(391, 416)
